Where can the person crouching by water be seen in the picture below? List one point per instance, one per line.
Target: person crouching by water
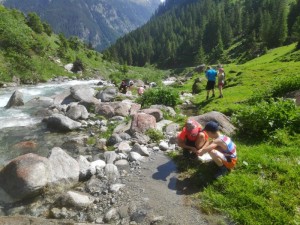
(192, 138)
(222, 149)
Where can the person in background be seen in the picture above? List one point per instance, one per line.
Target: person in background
(222, 149)
(192, 138)
(123, 87)
(211, 76)
(141, 90)
(221, 81)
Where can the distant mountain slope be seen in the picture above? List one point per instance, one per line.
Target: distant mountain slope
(188, 32)
(99, 22)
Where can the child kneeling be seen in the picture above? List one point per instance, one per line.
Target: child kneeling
(222, 149)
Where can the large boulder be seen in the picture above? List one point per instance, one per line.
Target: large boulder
(83, 93)
(111, 171)
(76, 112)
(64, 98)
(223, 121)
(169, 110)
(97, 166)
(157, 113)
(40, 102)
(110, 157)
(15, 100)
(141, 122)
(108, 94)
(105, 110)
(75, 199)
(61, 123)
(140, 138)
(142, 150)
(64, 169)
(162, 124)
(113, 109)
(172, 128)
(25, 176)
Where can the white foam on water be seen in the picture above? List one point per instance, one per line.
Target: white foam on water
(17, 117)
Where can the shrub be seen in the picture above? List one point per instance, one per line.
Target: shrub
(261, 121)
(162, 96)
(155, 135)
(78, 66)
(281, 87)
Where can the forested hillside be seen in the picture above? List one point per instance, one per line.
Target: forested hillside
(99, 22)
(31, 52)
(197, 31)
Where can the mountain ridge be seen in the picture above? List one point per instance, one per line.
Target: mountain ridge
(98, 22)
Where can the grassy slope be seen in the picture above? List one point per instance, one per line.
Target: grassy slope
(264, 187)
(246, 79)
(37, 65)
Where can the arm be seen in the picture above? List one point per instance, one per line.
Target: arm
(207, 149)
(201, 142)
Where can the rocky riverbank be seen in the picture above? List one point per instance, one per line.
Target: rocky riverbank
(79, 180)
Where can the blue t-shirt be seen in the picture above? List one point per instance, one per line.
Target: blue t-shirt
(211, 75)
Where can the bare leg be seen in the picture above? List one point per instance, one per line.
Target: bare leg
(221, 91)
(207, 96)
(215, 156)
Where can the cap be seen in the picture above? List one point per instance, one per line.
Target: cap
(211, 126)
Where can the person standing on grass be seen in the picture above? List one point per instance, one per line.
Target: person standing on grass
(222, 149)
(221, 81)
(192, 138)
(211, 76)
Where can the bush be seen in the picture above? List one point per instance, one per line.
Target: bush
(161, 96)
(155, 135)
(281, 88)
(77, 66)
(261, 121)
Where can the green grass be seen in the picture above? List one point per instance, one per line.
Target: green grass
(264, 188)
(246, 79)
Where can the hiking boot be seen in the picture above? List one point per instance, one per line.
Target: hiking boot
(222, 171)
(221, 96)
(206, 97)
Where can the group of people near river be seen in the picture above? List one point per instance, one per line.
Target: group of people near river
(128, 85)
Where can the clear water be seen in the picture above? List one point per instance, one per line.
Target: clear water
(21, 116)
(19, 124)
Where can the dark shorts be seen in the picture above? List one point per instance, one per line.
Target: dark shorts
(186, 153)
(210, 85)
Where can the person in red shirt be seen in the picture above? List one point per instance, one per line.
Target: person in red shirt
(192, 138)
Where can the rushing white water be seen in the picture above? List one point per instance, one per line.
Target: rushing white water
(16, 117)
